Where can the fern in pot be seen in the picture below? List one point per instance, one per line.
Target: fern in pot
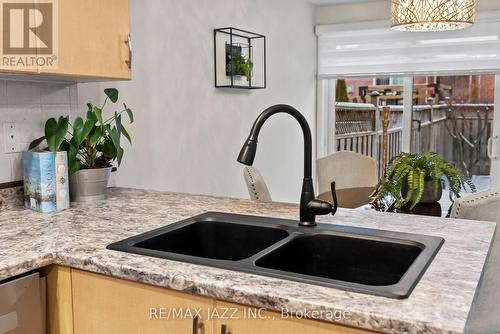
(416, 178)
(93, 145)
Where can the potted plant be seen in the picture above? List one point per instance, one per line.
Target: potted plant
(241, 65)
(414, 178)
(93, 145)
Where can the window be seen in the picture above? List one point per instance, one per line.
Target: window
(453, 117)
(355, 126)
(382, 81)
(386, 81)
(372, 55)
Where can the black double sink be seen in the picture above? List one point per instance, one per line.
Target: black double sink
(363, 260)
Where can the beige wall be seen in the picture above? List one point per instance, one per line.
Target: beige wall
(187, 133)
(372, 11)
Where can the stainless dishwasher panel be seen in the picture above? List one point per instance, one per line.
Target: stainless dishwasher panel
(20, 306)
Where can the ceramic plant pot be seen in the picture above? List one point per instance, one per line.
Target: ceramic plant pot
(89, 185)
(431, 193)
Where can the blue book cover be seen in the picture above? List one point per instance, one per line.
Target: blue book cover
(43, 182)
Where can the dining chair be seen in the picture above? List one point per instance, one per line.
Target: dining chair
(256, 185)
(355, 177)
(484, 205)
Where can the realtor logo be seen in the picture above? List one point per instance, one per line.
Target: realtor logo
(29, 34)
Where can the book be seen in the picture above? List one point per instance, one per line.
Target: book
(45, 176)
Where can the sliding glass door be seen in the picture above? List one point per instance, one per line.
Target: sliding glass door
(353, 110)
(454, 116)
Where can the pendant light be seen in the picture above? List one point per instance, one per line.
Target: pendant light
(432, 15)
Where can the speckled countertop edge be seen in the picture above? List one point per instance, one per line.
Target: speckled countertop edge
(77, 238)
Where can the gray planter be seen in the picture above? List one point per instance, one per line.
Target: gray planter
(89, 185)
(430, 195)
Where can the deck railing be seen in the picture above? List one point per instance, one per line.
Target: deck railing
(356, 130)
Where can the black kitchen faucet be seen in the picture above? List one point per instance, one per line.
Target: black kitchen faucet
(310, 206)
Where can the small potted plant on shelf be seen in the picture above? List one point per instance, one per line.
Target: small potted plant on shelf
(93, 145)
(416, 178)
(241, 65)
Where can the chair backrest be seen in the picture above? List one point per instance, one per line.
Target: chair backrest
(355, 176)
(348, 170)
(484, 205)
(256, 185)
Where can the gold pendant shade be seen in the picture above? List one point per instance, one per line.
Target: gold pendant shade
(432, 15)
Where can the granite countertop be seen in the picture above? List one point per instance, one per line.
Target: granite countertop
(78, 237)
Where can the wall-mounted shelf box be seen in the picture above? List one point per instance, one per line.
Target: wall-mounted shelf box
(239, 59)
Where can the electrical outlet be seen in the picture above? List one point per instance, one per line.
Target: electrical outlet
(10, 138)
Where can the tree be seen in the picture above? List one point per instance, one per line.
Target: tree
(341, 91)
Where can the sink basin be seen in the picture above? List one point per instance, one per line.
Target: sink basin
(349, 259)
(215, 240)
(363, 260)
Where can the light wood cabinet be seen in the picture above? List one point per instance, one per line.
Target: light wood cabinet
(107, 305)
(247, 320)
(80, 302)
(59, 300)
(92, 41)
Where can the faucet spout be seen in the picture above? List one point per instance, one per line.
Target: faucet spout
(247, 153)
(249, 149)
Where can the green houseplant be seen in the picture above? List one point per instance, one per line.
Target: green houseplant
(92, 144)
(241, 65)
(416, 178)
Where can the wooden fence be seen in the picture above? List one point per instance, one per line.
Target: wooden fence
(459, 135)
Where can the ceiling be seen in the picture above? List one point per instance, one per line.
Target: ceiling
(336, 2)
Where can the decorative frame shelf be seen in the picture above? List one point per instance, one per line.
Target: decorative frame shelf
(239, 59)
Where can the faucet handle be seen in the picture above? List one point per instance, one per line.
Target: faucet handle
(334, 197)
(318, 206)
(321, 207)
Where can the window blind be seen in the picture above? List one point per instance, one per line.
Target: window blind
(372, 48)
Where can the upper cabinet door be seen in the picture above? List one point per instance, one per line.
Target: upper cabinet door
(92, 39)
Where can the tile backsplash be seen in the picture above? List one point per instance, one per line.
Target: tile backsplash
(24, 108)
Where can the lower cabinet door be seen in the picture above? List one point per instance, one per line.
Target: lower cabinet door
(108, 305)
(236, 319)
